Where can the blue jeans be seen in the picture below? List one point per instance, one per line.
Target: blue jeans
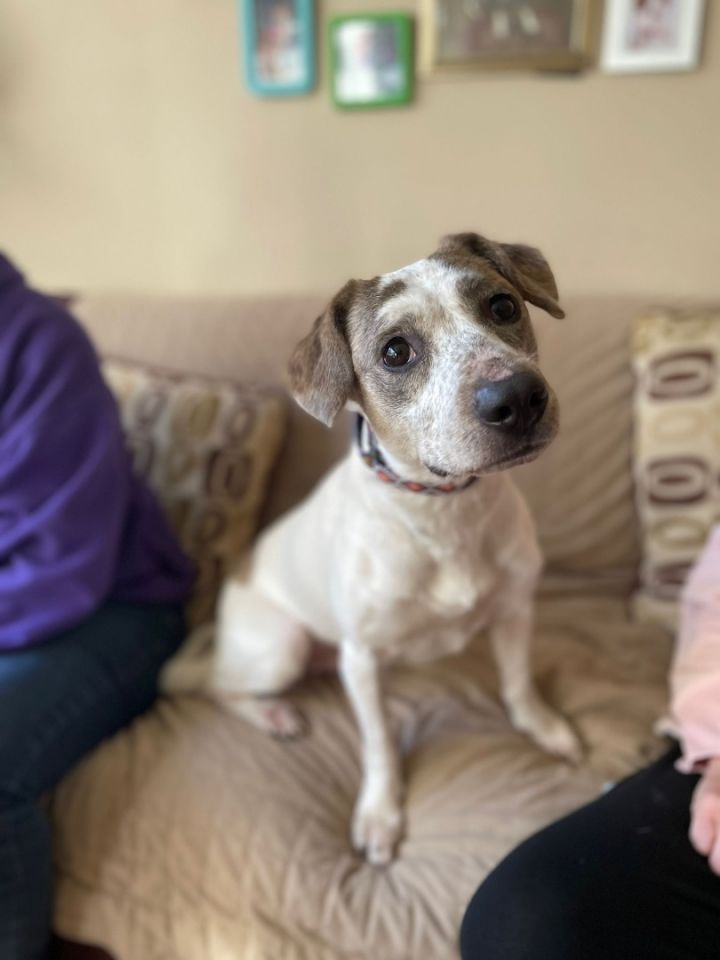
(58, 700)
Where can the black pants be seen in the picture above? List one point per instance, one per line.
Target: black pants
(617, 880)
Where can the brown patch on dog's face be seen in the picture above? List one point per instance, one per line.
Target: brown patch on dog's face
(392, 289)
(415, 345)
(525, 267)
(480, 293)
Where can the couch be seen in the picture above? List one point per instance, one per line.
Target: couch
(190, 836)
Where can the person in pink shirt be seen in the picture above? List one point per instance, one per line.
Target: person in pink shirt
(695, 688)
(635, 875)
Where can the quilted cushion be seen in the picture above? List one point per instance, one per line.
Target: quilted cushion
(206, 448)
(193, 836)
(677, 449)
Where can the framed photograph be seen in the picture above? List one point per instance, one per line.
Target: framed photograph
(279, 46)
(520, 34)
(371, 59)
(652, 35)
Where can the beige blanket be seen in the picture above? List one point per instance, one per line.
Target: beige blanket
(193, 837)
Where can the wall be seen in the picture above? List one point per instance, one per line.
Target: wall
(132, 157)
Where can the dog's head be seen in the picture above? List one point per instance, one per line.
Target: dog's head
(440, 357)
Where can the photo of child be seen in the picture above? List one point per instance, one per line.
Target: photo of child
(279, 55)
(368, 64)
(371, 60)
(652, 35)
(653, 24)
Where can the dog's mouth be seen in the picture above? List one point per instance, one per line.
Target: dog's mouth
(523, 454)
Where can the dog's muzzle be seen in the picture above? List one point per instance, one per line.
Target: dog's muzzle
(514, 405)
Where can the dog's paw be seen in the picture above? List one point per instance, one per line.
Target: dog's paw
(278, 718)
(376, 830)
(555, 735)
(550, 731)
(558, 737)
(284, 720)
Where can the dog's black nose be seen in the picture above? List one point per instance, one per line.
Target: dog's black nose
(514, 404)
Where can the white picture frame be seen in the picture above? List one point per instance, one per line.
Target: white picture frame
(652, 36)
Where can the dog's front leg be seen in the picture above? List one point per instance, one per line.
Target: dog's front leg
(377, 821)
(510, 635)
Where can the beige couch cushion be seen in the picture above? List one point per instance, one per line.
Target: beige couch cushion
(206, 447)
(192, 836)
(677, 449)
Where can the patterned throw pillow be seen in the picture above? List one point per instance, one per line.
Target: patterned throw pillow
(677, 450)
(206, 447)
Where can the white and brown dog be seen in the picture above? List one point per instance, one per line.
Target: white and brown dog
(417, 541)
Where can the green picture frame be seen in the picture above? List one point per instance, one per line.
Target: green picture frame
(371, 60)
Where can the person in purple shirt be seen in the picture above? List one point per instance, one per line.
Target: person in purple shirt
(92, 586)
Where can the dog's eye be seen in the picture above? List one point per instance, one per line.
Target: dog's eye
(503, 308)
(397, 353)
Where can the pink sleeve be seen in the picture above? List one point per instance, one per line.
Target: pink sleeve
(695, 675)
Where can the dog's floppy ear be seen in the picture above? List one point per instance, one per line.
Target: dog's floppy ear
(525, 267)
(535, 279)
(321, 370)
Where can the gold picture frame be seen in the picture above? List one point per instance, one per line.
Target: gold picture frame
(507, 35)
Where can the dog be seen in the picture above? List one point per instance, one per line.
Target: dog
(418, 539)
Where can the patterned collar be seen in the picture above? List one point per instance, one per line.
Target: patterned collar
(371, 456)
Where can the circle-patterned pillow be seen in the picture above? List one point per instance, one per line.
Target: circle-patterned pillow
(677, 450)
(206, 448)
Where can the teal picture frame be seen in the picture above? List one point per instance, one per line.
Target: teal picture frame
(371, 60)
(278, 43)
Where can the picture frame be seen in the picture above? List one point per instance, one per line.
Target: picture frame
(652, 36)
(371, 60)
(278, 39)
(507, 35)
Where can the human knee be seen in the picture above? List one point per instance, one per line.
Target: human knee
(18, 808)
(14, 794)
(520, 912)
(8, 802)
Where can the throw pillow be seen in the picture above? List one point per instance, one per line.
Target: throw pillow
(206, 448)
(677, 450)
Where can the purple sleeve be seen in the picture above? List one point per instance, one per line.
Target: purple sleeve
(64, 475)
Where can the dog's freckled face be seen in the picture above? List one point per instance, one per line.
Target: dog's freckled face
(441, 358)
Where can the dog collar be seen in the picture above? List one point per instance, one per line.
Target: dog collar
(371, 457)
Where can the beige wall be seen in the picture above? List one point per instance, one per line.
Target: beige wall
(132, 157)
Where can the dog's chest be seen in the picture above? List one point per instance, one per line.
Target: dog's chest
(436, 595)
(452, 589)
